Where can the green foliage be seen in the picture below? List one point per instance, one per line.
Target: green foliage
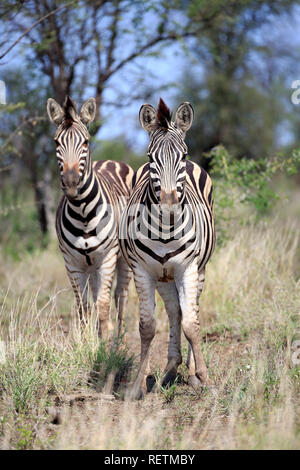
(35, 371)
(25, 381)
(271, 381)
(239, 181)
(26, 438)
(11, 107)
(237, 83)
(113, 361)
(169, 391)
(19, 228)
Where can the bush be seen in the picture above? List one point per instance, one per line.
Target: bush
(240, 181)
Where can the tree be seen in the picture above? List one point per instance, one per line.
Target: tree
(78, 47)
(237, 98)
(27, 146)
(86, 43)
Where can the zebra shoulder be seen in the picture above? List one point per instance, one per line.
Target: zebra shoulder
(200, 180)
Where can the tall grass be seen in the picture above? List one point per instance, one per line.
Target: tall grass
(57, 382)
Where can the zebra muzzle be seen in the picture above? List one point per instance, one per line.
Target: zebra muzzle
(70, 182)
(169, 201)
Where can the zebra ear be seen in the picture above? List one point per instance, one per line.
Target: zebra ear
(184, 116)
(55, 111)
(88, 111)
(147, 117)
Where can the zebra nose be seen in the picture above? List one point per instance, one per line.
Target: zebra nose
(71, 180)
(169, 202)
(169, 198)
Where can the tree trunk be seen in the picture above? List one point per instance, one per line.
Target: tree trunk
(44, 203)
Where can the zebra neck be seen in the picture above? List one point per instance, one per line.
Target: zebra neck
(87, 181)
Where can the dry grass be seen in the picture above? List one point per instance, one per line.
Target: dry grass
(53, 373)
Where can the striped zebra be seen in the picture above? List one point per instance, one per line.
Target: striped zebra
(167, 236)
(88, 215)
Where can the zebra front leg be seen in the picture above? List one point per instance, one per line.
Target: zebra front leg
(169, 294)
(101, 282)
(145, 286)
(79, 283)
(187, 285)
(121, 291)
(190, 361)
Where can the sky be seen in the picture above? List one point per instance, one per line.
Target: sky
(170, 66)
(119, 121)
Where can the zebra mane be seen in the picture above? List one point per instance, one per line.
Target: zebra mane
(163, 115)
(69, 108)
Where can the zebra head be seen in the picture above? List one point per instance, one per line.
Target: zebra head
(167, 151)
(72, 142)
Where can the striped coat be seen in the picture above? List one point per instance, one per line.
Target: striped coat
(88, 226)
(167, 236)
(146, 242)
(88, 215)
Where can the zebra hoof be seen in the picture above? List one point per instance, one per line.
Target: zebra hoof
(169, 378)
(194, 382)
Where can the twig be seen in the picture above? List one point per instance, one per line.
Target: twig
(7, 167)
(26, 121)
(36, 24)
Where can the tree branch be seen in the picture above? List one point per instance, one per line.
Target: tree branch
(113, 37)
(24, 123)
(66, 5)
(145, 47)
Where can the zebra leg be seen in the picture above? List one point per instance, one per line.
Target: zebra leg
(169, 294)
(145, 286)
(101, 282)
(121, 291)
(190, 361)
(188, 296)
(79, 283)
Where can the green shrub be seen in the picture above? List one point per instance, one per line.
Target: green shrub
(246, 181)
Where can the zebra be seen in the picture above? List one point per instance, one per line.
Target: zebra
(88, 213)
(167, 236)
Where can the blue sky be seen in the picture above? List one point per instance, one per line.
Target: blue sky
(119, 121)
(165, 69)
(169, 67)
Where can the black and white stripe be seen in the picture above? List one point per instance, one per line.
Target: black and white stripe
(167, 236)
(88, 215)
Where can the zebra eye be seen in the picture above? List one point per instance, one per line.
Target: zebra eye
(85, 143)
(56, 143)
